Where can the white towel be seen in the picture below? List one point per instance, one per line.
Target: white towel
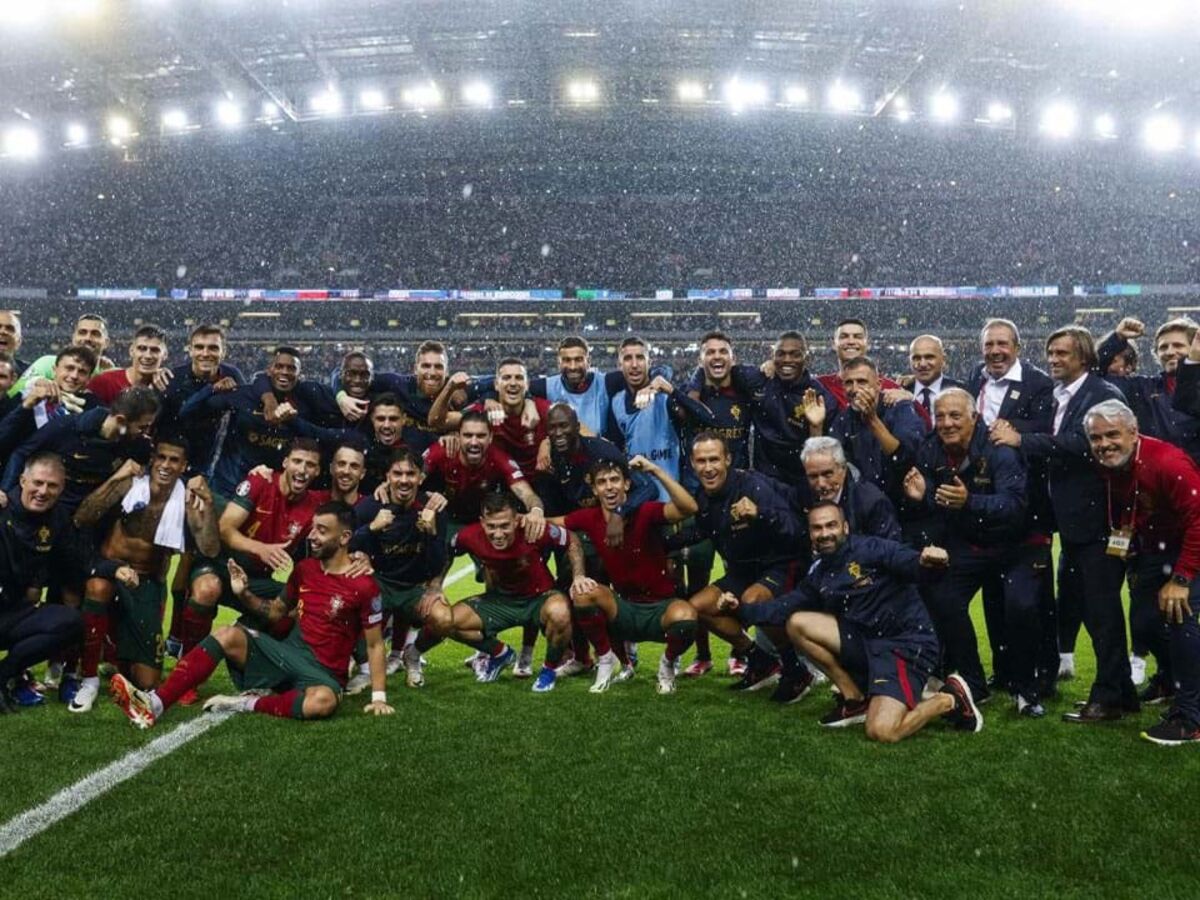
(171, 524)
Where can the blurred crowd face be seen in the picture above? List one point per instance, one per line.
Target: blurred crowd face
(999, 347)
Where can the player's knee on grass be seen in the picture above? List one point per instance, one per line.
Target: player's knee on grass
(556, 615)
(319, 703)
(206, 590)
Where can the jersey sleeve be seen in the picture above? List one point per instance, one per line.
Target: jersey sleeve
(249, 491)
(509, 471)
(654, 511)
(576, 520)
(554, 537)
(371, 605)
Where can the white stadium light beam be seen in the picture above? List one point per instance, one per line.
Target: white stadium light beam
(422, 96)
(795, 95)
(119, 129)
(478, 93)
(741, 94)
(1162, 133)
(843, 98)
(583, 90)
(271, 110)
(1059, 120)
(77, 133)
(998, 112)
(175, 120)
(1105, 126)
(327, 102)
(372, 99)
(229, 113)
(22, 142)
(943, 107)
(690, 91)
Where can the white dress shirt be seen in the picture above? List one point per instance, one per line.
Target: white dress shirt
(934, 388)
(1062, 396)
(995, 390)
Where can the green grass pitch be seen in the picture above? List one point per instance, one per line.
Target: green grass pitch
(490, 791)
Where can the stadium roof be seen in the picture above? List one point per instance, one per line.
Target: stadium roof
(167, 64)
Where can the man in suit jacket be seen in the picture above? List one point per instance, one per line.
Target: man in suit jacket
(1012, 390)
(1093, 562)
(927, 357)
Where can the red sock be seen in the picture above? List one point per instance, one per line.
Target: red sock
(197, 624)
(193, 669)
(95, 632)
(288, 705)
(594, 626)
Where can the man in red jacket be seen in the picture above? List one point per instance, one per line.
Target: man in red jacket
(1153, 491)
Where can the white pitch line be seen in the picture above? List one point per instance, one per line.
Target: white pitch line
(33, 822)
(467, 568)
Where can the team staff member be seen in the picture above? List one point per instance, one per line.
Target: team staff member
(1154, 502)
(927, 359)
(1090, 561)
(866, 508)
(968, 496)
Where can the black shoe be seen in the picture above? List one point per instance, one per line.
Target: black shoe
(1090, 713)
(965, 716)
(1157, 692)
(1172, 732)
(758, 677)
(847, 712)
(793, 686)
(1030, 709)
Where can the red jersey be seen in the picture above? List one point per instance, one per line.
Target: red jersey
(273, 518)
(518, 569)
(515, 439)
(463, 485)
(332, 611)
(1167, 518)
(638, 569)
(108, 384)
(833, 383)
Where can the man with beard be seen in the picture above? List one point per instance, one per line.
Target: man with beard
(405, 538)
(147, 353)
(642, 414)
(860, 619)
(1154, 498)
(34, 529)
(158, 518)
(262, 530)
(867, 509)
(306, 670)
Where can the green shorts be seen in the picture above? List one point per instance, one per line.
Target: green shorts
(139, 612)
(267, 588)
(280, 665)
(401, 602)
(639, 621)
(500, 612)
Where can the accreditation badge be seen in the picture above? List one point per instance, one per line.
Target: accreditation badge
(1119, 542)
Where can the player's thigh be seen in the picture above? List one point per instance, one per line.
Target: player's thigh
(463, 617)
(820, 628)
(705, 600)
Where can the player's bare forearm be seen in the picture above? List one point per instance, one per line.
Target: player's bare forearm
(101, 500)
(527, 496)
(269, 610)
(203, 525)
(439, 411)
(377, 657)
(682, 504)
(575, 556)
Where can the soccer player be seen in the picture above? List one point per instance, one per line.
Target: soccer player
(405, 538)
(519, 589)
(641, 604)
(91, 330)
(306, 670)
(34, 531)
(862, 622)
(643, 412)
(147, 354)
(750, 520)
(158, 517)
(262, 529)
(46, 399)
(10, 339)
(850, 341)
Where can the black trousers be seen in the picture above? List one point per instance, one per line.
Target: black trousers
(1148, 630)
(998, 635)
(32, 634)
(1013, 574)
(1094, 579)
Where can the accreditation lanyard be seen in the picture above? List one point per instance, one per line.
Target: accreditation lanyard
(1120, 534)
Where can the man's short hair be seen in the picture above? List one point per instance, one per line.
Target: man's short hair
(6, 357)
(509, 361)
(86, 355)
(957, 393)
(859, 322)
(574, 340)
(632, 341)
(405, 455)
(1085, 345)
(711, 436)
(174, 438)
(45, 458)
(387, 398)
(357, 354)
(303, 445)
(150, 331)
(135, 403)
(431, 346)
(497, 502)
(354, 443)
(340, 510)
(824, 446)
(603, 465)
(566, 409)
(860, 362)
(1181, 323)
(206, 328)
(285, 351)
(792, 335)
(926, 337)
(826, 504)
(1001, 323)
(472, 415)
(92, 317)
(1110, 410)
(715, 335)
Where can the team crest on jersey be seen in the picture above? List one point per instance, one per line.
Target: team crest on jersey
(243, 489)
(43, 535)
(736, 412)
(336, 604)
(854, 570)
(293, 529)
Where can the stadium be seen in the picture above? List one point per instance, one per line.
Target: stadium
(494, 185)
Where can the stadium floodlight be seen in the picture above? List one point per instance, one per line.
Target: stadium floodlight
(900, 109)
(998, 112)
(327, 102)
(174, 120)
(690, 91)
(21, 142)
(795, 95)
(478, 93)
(372, 99)
(271, 110)
(76, 134)
(22, 13)
(1059, 120)
(843, 98)
(943, 107)
(1105, 126)
(119, 129)
(583, 90)
(741, 94)
(229, 113)
(1162, 133)
(423, 96)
